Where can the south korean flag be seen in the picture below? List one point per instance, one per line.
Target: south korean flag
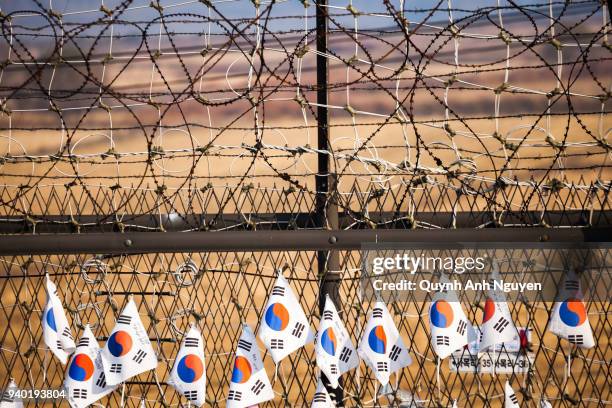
(381, 346)
(497, 326)
(249, 384)
(510, 399)
(85, 381)
(321, 397)
(285, 327)
(569, 319)
(448, 324)
(128, 351)
(9, 398)
(333, 347)
(545, 404)
(188, 374)
(56, 331)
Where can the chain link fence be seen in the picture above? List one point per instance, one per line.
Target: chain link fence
(121, 117)
(220, 290)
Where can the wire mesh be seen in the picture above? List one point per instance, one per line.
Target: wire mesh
(219, 290)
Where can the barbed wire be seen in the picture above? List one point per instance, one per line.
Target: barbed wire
(234, 98)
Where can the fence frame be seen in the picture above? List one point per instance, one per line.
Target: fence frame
(307, 240)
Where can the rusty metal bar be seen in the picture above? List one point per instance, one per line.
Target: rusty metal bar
(305, 240)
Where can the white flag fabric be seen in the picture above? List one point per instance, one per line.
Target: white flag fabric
(510, 400)
(321, 397)
(448, 324)
(285, 327)
(381, 346)
(56, 331)
(334, 349)
(188, 374)
(249, 384)
(497, 326)
(8, 398)
(128, 350)
(569, 319)
(545, 404)
(85, 381)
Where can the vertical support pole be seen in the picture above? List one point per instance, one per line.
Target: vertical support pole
(326, 207)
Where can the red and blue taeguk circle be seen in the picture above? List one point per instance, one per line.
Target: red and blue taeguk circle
(81, 368)
(489, 310)
(329, 341)
(441, 314)
(377, 340)
(242, 370)
(190, 368)
(572, 312)
(50, 319)
(277, 317)
(120, 343)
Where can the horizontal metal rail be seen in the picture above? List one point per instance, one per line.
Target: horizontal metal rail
(201, 241)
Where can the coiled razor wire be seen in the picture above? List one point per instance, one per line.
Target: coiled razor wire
(170, 98)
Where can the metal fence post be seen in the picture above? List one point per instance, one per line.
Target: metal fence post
(326, 209)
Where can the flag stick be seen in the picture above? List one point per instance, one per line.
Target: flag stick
(569, 362)
(495, 358)
(438, 378)
(45, 366)
(122, 394)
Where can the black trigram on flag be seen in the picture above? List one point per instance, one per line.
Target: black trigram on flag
(79, 393)
(395, 352)
(319, 397)
(257, 387)
(139, 356)
(115, 368)
(575, 338)
(67, 333)
(83, 342)
(278, 291)
(123, 319)
(298, 329)
(59, 344)
(245, 345)
(333, 369)
(513, 398)
(378, 312)
(328, 315)
(277, 344)
(191, 395)
(461, 327)
(442, 341)
(192, 342)
(572, 285)
(234, 396)
(345, 355)
(382, 366)
(501, 324)
(6, 397)
(101, 382)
